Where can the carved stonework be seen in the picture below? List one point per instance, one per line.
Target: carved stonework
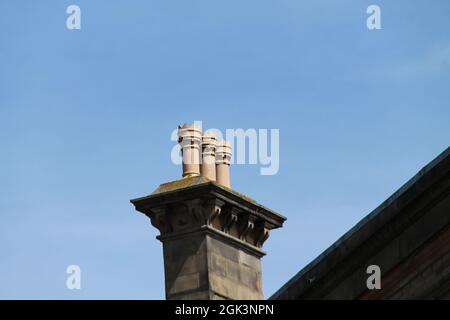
(212, 207)
(214, 213)
(247, 225)
(229, 218)
(262, 235)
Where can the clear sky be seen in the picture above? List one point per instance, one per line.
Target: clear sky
(86, 117)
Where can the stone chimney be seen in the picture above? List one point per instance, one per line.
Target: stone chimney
(212, 236)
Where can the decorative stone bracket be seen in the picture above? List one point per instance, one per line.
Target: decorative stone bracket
(206, 204)
(216, 214)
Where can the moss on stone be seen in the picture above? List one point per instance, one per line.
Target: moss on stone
(180, 184)
(193, 181)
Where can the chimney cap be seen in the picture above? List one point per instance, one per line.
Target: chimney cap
(189, 131)
(224, 143)
(224, 147)
(209, 134)
(189, 126)
(209, 138)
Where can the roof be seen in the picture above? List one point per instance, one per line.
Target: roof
(377, 227)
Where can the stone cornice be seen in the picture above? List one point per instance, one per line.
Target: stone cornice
(201, 203)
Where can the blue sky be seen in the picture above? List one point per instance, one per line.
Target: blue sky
(86, 117)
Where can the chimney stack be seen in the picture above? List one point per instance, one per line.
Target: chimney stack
(208, 165)
(190, 138)
(223, 158)
(212, 236)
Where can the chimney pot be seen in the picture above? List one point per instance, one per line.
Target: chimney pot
(223, 158)
(190, 137)
(208, 165)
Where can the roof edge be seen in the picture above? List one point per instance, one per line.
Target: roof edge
(439, 160)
